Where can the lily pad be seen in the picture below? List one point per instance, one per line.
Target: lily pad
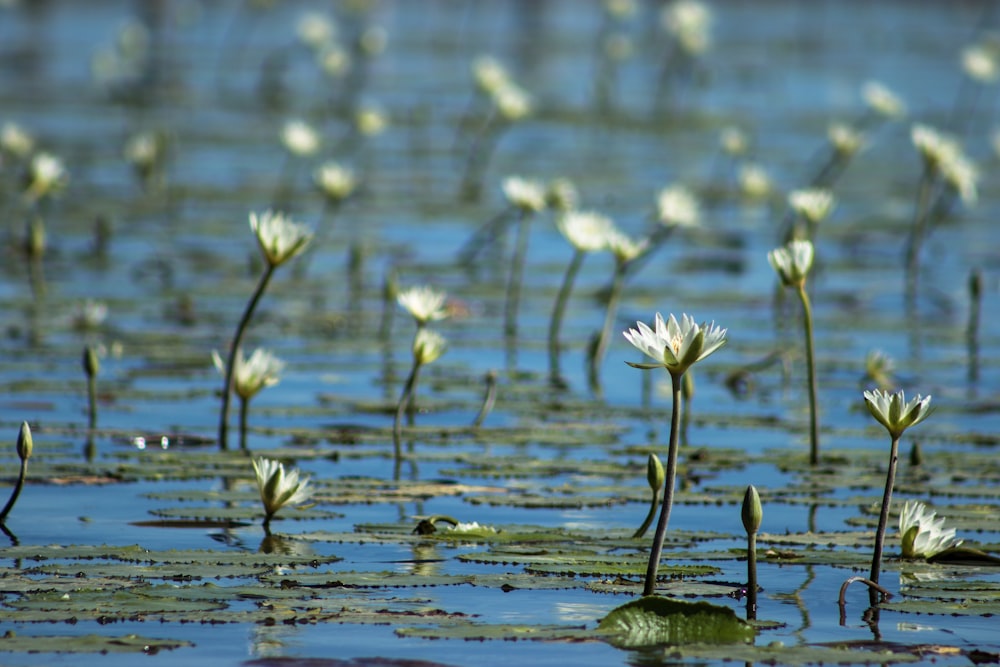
(659, 621)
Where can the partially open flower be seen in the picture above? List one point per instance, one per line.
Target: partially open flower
(278, 488)
(689, 23)
(894, 412)
(335, 181)
(813, 204)
(677, 206)
(846, 140)
(623, 247)
(792, 262)
(424, 303)
(675, 346)
(279, 238)
(300, 138)
(922, 535)
(428, 346)
(883, 101)
(586, 230)
(250, 375)
(524, 194)
(14, 140)
(46, 176)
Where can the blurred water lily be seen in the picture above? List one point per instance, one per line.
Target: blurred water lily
(675, 346)
(46, 176)
(883, 101)
(813, 204)
(335, 181)
(428, 346)
(792, 262)
(278, 488)
(677, 206)
(896, 413)
(424, 304)
(922, 535)
(300, 138)
(251, 374)
(279, 237)
(526, 195)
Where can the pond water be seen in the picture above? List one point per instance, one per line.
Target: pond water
(172, 259)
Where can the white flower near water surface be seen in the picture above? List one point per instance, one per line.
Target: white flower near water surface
(278, 487)
(922, 535)
(251, 374)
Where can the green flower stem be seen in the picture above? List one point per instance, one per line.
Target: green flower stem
(516, 275)
(233, 351)
(601, 346)
(555, 325)
(17, 492)
(921, 223)
(405, 400)
(811, 368)
(92, 401)
(244, 405)
(653, 503)
(489, 399)
(883, 519)
(751, 576)
(668, 488)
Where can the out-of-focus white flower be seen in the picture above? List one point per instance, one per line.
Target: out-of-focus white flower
(624, 247)
(370, 121)
(144, 150)
(428, 346)
(734, 141)
(845, 139)
(883, 101)
(336, 181)
(251, 374)
(470, 527)
(512, 102)
(278, 488)
(813, 204)
(489, 75)
(944, 155)
(980, 63)
(879, 368)
(922, 535)
(46, 176)
(689, 23)
(315, 30)
(334, 60)
(525, 194)
(300, 138)
(90, 314)
(562, 194)
(753, 181)
(677, 206)
(424, 303)
(620, 9)
(792, 262)
(15, 140)
(586, 230)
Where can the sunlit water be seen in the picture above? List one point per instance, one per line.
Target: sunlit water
(181, 261)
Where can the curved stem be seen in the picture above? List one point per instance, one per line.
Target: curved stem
(811, 364)
(668, 489)
(516, 275)
(17, 492)
(601, 346)
(649, 515)
(233, 351)
(921, 224)
(555, 325)
(489, 399)
(405, 399)
(883, 518)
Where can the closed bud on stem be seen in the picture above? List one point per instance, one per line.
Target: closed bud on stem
(91, 364)
(654, 473)
(24, 442)
(753, 513)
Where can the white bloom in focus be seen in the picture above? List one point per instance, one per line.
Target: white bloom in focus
(279, 237)
(894, 412)
(524, 194)
(813, 204)
(883, 101)
(792, 262)
(922, 535)
(424, 303)
(428, 346)
(677, 206)
(278, 488)
(586, 230)
(260, 370)
(300, 138)
(675, 346)
(335, 181)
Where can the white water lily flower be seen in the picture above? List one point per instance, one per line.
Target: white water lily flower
(315, 30)
(424, 303)
(980, 63)
(46, 175)
(792, 262)
(754, 181)
(586, 230)
(677, 206)
(428, 346)
(623, 247)
(734, 141)
(894, 412)
(943, 154)
(300, 138)
(922, 535)
(689, 22)
(278, 488)
(813, 204)
(279, 238)
(336, 181)
(845, 139)
(471, 527)
(489, 74)
(512, 101)
(883, 101)
(370, 121)
(15, 141)
(675, 346)
(525, 194)
(562, 194)
(258, 371)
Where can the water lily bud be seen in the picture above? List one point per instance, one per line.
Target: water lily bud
(91, 364)
(24, 443)
(753, 513)
(654, 472)
(916, 454)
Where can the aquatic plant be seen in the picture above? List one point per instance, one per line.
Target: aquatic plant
(280, 239)
(655, 477)
(896, 414)
(278, 488)
(91, 367)
(261, 369)
(424, 303)
(921, 534)
(25, 444)
(675, 347)
(792, 264)
(752, 514)
(427, 347)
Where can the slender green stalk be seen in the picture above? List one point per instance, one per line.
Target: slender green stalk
(17, 491)
(489, 398)
(233, 351)
(653, 504)
(601, 346)
(405, 399)
(91, 402)
(883, 519)
(921, 224)
(555, 325)
(752, 575)
(668, 488)
(244, 405)
(811, 364)
(516, 275)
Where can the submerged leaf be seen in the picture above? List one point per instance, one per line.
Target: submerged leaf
(658, 621)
